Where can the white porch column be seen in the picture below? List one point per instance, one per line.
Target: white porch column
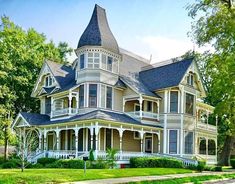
(92, 134)
(159, 142)
(141, 106)
(206, 147)
(70, 101)
(165, 121)
(152, 142)
(76, 141)
(45, 142)
(123, 105)
(52, 107)
(77, 104)
(182, 122)
(57, 139)
(96, 140)
(40, 141)
(141, 141)
(120, 141)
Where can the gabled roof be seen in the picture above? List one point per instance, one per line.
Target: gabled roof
(137, 86)
(41, 119)
(165, 76)
(98, 33)
(63, 74)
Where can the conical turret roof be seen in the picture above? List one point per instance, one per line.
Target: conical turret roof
(98, 33)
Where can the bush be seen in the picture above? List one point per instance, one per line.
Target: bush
(13, 163)
(72, 164)
(46, 160)
(37, 166)
(91, 155)
(2, 160)
(218, 168)
(201, 166)
(232, 163)
(142, 162)
(99, 164)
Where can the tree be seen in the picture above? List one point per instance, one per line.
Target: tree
(216, 26)
(22, 53)
(111, 157)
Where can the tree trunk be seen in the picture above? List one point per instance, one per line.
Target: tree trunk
(5, 144)
(226, 152)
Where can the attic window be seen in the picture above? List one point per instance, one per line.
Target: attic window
(48, 81)
(190, 79)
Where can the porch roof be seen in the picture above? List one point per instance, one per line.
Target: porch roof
(41, 119)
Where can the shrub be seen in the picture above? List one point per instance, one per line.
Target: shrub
(91, 155)
(72, 164)
(37, 166)
(110, 157)
(46, 160)
(13, 163)
(99, 164)
(2, 160)
(232, 163)
(201, 166)
(142, 162)
(218, 168)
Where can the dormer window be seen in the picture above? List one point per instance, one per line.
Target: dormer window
(93, 60)
(48, 81)
(190, 79)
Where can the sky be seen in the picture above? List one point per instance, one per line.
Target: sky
(156, 29)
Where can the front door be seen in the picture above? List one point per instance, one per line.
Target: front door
(148, 144)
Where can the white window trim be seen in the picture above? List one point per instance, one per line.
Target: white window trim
(136, 104)
(177, 144)
(169, 101)
(136, 138)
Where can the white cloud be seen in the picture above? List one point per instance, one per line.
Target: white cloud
(163, 48)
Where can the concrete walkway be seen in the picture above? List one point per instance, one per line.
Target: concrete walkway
(147, 178)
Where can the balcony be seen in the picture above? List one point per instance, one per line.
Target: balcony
(147, 115)
(206, 126)
(64, 112)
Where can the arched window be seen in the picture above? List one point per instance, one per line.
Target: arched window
(211, 147)
(202, 146)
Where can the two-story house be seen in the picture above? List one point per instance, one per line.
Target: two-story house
(112, 98)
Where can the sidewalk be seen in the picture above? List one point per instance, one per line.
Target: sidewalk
(147, 178)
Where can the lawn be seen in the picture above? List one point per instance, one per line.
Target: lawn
(195, 179)
(68, 175)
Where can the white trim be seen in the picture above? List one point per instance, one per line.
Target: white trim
(112, 138)
(17, 118)
(104, 139)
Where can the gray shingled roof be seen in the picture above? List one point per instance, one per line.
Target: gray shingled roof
(98, 33)
(63, 74)
(165, 76)
(138, 86)
(41, 119)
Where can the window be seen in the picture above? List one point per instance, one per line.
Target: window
(104, 62)
(173, 142)
(115, 65)
(110, 64)
(109, 97)
(81, 96)
(149, 106)
(189, 104)
(48, 81)
(93, 95)
(174, 101)
(188, 144)
(93, 60)
(190, 79)
(103, 96)
(82, 61)
(137, 107)
(136, 135)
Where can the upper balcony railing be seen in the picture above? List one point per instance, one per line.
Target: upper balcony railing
(206, 126)
(63, 112)
(143, 114)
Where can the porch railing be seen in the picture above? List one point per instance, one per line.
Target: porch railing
(64, 111)
(206, 126)
(145, 114)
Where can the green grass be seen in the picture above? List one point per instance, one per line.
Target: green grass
(196, 179)
(35, 176)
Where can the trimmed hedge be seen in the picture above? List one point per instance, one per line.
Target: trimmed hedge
(232, 163)
(218, 168)
(10, 164)
(151, 162)
(72, 164)
(201, 166)
(44, 161)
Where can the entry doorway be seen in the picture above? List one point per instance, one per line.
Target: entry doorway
(148, 145)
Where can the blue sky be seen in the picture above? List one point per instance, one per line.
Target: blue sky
(145, 27)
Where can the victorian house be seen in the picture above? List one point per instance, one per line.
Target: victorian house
(112, 98)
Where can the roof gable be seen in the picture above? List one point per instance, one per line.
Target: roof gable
(98, 33)
(165, 76)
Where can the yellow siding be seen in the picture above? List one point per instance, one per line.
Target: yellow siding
(129, 143)
(116, 143)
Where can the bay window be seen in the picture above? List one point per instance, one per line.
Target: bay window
(188, 143)
(92, 95)
(109, 97)
(93, 60)
(110, 64)
(82, 61)
(189, 104)
(81, 96)
(174, 101)
(173, 134)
